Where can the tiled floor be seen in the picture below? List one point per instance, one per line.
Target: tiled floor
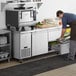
(65, 71)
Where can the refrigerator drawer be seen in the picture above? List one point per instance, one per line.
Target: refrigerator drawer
(64, 48)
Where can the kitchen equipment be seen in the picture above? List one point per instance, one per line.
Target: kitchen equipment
(5, 45)
(6, 55)
(25, 0)
(25, 52)
(20, 6)
(19, 18)
(22, 45)
(3, 40)
(22, 13)
(63, 47)
(54, 33)
(39, 42)
(36, 0)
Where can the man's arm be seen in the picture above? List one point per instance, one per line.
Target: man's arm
(64, 23)
(63, 32)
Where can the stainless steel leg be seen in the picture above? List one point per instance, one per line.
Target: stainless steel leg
(8, 59)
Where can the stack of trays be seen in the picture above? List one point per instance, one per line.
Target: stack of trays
(3, 40)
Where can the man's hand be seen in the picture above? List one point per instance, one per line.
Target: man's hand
(62, 36)
(60, 40)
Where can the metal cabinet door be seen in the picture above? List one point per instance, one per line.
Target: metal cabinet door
(25, 45)
(54, 34)
(39, 43)
(25, 40)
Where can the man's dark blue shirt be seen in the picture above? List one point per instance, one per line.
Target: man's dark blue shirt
(68, 18)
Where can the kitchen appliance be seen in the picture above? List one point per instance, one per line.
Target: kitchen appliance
(18, 18)
(22, 45)
(21, 13)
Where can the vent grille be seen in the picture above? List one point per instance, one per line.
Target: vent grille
(26, 52)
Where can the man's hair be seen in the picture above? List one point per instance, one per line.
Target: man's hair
(59, 12)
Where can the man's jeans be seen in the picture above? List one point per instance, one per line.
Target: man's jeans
(72, 53)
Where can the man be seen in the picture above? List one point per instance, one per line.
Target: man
(69, 19)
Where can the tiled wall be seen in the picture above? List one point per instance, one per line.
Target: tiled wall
(48, 9)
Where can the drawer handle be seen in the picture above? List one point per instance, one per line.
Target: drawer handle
(26, 47)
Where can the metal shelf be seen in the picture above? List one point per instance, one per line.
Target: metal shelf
(5, 59)
(4, 33)
(51, 51)
(5, 45)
